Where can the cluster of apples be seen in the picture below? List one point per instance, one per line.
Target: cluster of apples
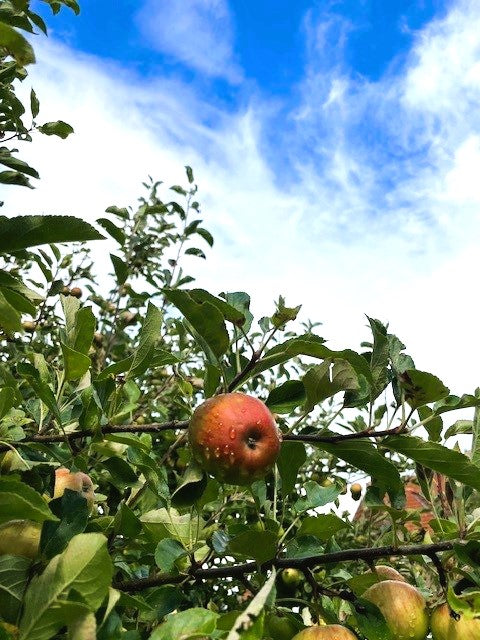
(234, 437)
(406, 614)
(22, 537)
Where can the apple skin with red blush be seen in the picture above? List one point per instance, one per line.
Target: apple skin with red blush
(234, 437)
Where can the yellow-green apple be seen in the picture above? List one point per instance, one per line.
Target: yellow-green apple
(79, 482)
(403, 607)
(235, 438)
(356, 490)
(291, 577)
(327, 632)
(20, 538)
(444, 627)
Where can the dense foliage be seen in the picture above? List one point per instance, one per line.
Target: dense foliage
(100, 374)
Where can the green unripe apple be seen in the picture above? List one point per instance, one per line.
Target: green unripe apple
(291, 577)
(327, 632)
(280, 628)
(444, 627)
(20, 538)
(403, 607)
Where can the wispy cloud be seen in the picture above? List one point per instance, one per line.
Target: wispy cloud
(379, 210)
(197, 33)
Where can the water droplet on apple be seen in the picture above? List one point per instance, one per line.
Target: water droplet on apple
(233, 433)
(207, 453)
(258, 423)
(232, 457)
(216, 452)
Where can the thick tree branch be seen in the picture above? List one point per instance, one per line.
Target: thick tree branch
(154, 427)
(239, 570)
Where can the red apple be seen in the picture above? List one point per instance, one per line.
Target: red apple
(328, 632)
(235, 438)
(78, 481)
(403, 607)
(444, 627)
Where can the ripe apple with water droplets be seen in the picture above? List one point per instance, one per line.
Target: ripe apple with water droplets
(444, 627)
(235, 438)
(403, 607)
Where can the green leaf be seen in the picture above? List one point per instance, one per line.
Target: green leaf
(84, 568)
(23, 232)
(83, 330)
(149, 335)
(193, 251)
(41, 388)
(284, 314)
(206, 235)
(189, 174)
(120, 268)
(364, 455)
(380, 357)
(475, 456)
(204, 317)
(255, 610)
(167, 552)
(451, 463)
(192, 623)
(434, 425)
(16, 164)
(7, 280)
(168, 523)
(371, 621)
(57, 128)
(18, 501)
(459, 427)
(18, 301)
(112, 229)
(72, 511)
(15, 177)
(15, 573)
(421, 387)
(9, 316)
(453, 403)
(292, 457)
(316, 496)
(322, 527)
(7, 400)
(324, 381)
(286, 397)
(310, 345)
(259, 545)
(34, 104)
(76, 363)
(16, 45)
(304, 547)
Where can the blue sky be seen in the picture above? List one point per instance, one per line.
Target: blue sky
(336, 147)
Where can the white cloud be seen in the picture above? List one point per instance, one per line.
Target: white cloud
(196, 32)
(380, 216)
